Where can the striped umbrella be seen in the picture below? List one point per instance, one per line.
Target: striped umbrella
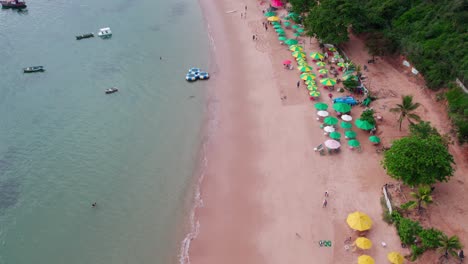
(328, 81)
(314, 93)
(332, 49)
(312, 88)
(341, 64)
(270, 14)
(316, 56)
(321, 106)
(307, 77)
(296, 48)
(311, 83)
(305, 68)
(321, 64)
(350, 134)
(297, 54)
(345, 125)
(291, 41)
(323, 71)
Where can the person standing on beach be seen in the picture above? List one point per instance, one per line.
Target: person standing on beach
(326, 193)
(246, 8)
(242, 15)
(324, 204)
(298, 84)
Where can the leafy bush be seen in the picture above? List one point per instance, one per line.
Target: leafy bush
(423, 130)
(458, 112)
(408, 231)
(368, 115)
(430, 238)
(416, 252)
(396, 217)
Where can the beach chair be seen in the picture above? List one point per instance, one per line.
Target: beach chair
(320, 149)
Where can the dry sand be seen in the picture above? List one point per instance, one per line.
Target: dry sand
(263, 183)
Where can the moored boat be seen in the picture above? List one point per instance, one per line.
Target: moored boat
(83, 36)
(14, 4)
(105, 32)
(111, 90)
(34, 69)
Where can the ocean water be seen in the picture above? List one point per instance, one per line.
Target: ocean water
(65, 144)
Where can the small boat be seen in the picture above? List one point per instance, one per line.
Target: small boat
(34, 69)
(105, 32)
(14, 4)
(88, 35)
(203, 76)
(191, 77)
(111, 90)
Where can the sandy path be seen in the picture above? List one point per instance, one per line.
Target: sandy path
(264, 185)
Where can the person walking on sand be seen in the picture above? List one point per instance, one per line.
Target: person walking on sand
(298, 84)
(326, 193)
(324, 204)
(253, 37)
(242, 15)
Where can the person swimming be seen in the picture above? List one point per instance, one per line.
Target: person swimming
(94, 204)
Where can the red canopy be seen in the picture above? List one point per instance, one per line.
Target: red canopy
(287, 62)
(276, 3)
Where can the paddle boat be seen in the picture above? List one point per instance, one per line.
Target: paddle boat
(346, 99)
(105, 32)
(111, 90)
(33, 69)
(203, 76)
(83, 36)
(13, 4)
(191, 77)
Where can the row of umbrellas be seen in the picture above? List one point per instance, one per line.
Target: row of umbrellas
(393, 257)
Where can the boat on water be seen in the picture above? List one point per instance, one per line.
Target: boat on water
(14, 4)
(105, 32)
(34, 69)
(83, 36)
(111, 90)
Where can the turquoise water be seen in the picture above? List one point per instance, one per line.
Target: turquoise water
(65, 144)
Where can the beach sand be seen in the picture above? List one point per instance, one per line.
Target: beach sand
(263, 183)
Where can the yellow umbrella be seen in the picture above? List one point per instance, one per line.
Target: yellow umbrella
(314, 93)
(305, 68)
(359, 221)
(364, 243)
(295, 48)
(395, 258)
(365, 259)
(273, 18)
(298, 54)
(308, 76)
(321, 64)
(317, 56)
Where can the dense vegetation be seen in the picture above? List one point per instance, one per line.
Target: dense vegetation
(432, 34)
(458, 111)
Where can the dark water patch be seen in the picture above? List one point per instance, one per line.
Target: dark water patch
(178, 9)
(155, 28)
(9, 193)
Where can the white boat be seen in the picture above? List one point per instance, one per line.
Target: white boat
(105, 32)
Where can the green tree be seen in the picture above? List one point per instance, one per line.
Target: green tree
(423, 197)
(405, 110)
(423, 130)
(430, 238)
(418, 161)
(408, 231)
(302, 6)
(368, 115)
(449, 245)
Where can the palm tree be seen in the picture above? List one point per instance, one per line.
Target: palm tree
(422, 196)
(405, 109)
(449, 245)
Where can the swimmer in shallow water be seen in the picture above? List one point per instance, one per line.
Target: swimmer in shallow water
(94, 204)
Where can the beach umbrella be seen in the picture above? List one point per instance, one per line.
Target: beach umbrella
(270, 14)
(332, 144)
(301, 61)
(291, 41)
(329, 129)
(350, 134)
(395, 258)
(311, 84)
(300, 30)
(297, 54)
(354, 143)
(328, 81)
(321, 106)
(374, 139)
(332, 49)
(297, 35)
(316, 56)
(359, 221)
(286, 62)
(346, 118)
(276, 23)
(363, 124)
(330, 120)
(322, 113)
(363, 243)
(307, 77)
(365, 259)
(311, 88)
(323, 71)
(281, 34)
(335, 135)
(273, 18)
(287, 24)
(279, 30)
(304, 76)
(342, 107)
(337, 56)
(341, 64)
(295, 48)
(321, 64)
(281, 38)
(277, 27)
(350, 77)
(295, 26)
(305, 68)
(314, 93)
(345, 125)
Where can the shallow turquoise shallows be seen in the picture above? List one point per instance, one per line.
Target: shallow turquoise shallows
(65, 144)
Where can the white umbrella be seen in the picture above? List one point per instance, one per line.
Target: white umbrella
(329, 129)
(332, 144)
(322, 113)
(346, 118)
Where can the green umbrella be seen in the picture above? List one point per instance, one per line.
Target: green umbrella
(295, 26)
(269, 14)
(281, 38)
(297, 35)
(321, 64)
(354, 143)
(276, 23)
(281, 34)
(363, 124)
(346, 125)
(287, 24)
(349, 76)
(279, 30)
(305, 68)
(330, 120)
(321, 106)
(277, 26)
(342, 107)
(291, 42)
(374, 139)
(350, 134)
(328, 81)
(335, 135)
(316, 56)
(314, 93)
(300, 30)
